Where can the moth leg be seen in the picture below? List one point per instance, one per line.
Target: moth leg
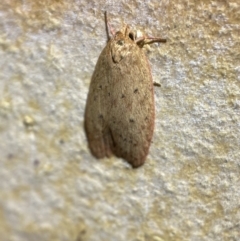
(156, 84)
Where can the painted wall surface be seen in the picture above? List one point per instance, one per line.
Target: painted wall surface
(52, 188)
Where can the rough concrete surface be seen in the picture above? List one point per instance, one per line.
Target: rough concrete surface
(53, 189)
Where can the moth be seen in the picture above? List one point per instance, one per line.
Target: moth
(120, 110)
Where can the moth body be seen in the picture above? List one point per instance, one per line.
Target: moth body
(120, 112)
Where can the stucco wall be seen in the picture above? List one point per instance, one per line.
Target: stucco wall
(52, 188)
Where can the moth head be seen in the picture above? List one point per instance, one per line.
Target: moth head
(122, 44)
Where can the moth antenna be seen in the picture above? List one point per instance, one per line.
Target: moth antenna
(149, 40)
(108, 27)
(126, 27)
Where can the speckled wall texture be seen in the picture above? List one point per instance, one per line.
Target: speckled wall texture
(53, 189)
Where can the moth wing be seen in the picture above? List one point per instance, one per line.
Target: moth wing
(132, 113)
(95, 124)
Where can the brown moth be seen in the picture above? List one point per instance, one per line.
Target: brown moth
(120, 112)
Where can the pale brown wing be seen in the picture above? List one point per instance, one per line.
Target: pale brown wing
(95, 122)
(132, 113)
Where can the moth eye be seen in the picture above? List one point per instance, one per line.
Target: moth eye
(120, 42)
(131, 36)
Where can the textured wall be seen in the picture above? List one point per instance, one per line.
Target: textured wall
(52, 188)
